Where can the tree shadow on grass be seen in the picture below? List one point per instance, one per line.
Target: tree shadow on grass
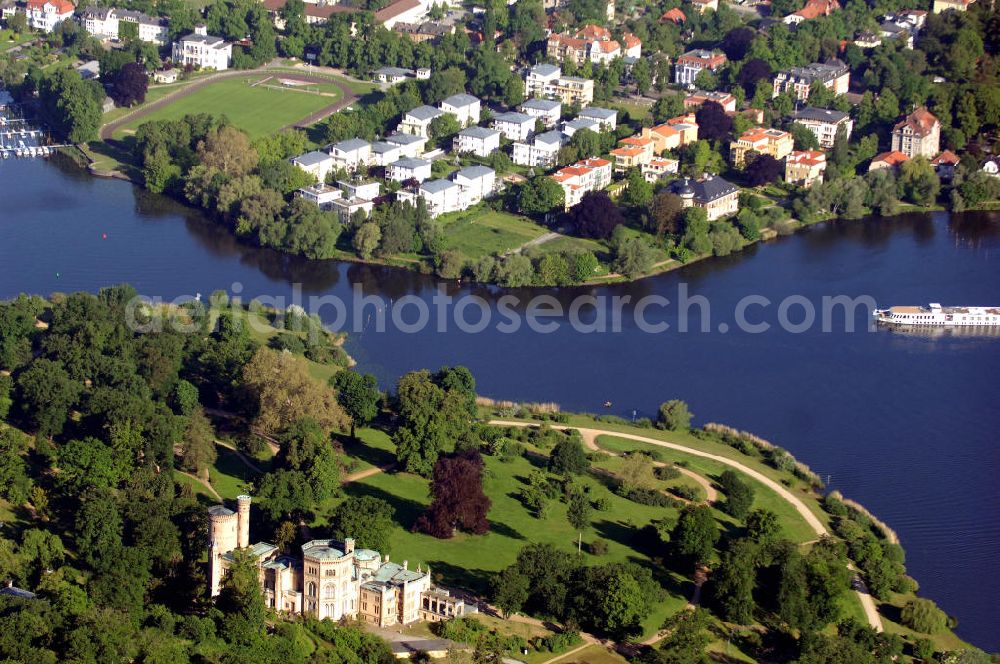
(503, 529)
(891, 613)
(359, 450)
(476, 580)
(406, 511)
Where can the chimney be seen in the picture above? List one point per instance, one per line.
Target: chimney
(406, 564)
(201, 29)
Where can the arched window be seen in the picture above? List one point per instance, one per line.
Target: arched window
(311, 589)
(330, 590)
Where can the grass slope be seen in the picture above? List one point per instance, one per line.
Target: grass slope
(483, 232)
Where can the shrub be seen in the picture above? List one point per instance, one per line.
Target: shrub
(650, 497)
(923, 649)
(674, 415)
(923, 615)
(334, 355)
(667, 473)
(685, 492)
(598, 548)
(290, 342)
(602, 504)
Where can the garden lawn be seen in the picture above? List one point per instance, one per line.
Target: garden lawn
(229, 475)
(257, 110)
(469, 561)
(154, 93)
(793, 526)
(483, 232)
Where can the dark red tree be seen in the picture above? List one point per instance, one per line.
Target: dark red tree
(458, 501)
(762, 170)
(128, 86)
(736, 43)
(596, 215)
(713, 123)
(753, 71)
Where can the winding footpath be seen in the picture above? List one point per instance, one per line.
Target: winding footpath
(590, 439)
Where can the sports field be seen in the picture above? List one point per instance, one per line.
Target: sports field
(258, 110)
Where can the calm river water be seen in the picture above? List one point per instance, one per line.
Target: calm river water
(905, 423)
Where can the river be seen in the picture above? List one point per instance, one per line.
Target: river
(905, 423)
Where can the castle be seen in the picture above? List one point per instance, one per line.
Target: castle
(331, 579)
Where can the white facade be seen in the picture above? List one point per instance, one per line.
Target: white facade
(606, 117)
(321, 195)
(547, 110)
(514, 126)
(543, 152)
(477, 183)
(352, 154)
(465, 108)
(479, 141)
(316, 163)
(199, 49)
(384, 153)
(408, 169)
(410, 145)
(418, 121)
(440, 196)
(572, 126)
(45, 15)
(539, 78)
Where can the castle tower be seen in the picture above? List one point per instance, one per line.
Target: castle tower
(243, 519)
(222, 538)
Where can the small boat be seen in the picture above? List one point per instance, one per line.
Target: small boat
(936, 315)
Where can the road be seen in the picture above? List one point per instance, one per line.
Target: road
(871, 612)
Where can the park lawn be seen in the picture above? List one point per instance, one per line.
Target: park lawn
(890, 611)
(793, 526)
(636, 110)
(375, 448)
(483, 232)
(795, 485)
(469, 561)
(262, 331)
(595, 654)
(568, 243)
(201, 494)
(229, 475)
(257, 110)
(9, 39)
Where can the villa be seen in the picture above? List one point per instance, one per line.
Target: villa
(779, 144)
(717, 196)
(591, 174)
(833, 75)
(330, 579)
(918, 134)
(892, 159)
(824, 123)
(694, 100)
(112, 23)
(688, 66)
(44, 15)
(199, 49)
(592, 43)
(805, 167)
(632, 152)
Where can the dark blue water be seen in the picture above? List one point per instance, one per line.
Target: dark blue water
(905, 423)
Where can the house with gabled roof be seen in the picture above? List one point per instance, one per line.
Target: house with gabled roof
(417, 121)
(465, 108)
(918, 134)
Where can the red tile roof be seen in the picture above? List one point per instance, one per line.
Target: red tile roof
(817, 8)
(675, 15)
(921, 121)
(946, 157)
(894, 158)
(61, 6)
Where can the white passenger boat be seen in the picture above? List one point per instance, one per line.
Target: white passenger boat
(937, 315)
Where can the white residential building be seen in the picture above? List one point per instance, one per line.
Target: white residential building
(199, 49)
(824, 123)
(543, 152)
(570, 127)
(607, 118)
(346, 207)
(352, 154)
(321, 194)
(479, 141)
(546, 80)
(514, 126)
(477, 183)
(45, 15)
(547, 110)
(539, 78)
(392, 75)
(440, 196)
(316, 163)
(418, 121)
(384, 153)
(658, 167)
(465, 108)
(367, 191)
(688, 66)
(410, 145)
(408, 169)
(106, 23)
